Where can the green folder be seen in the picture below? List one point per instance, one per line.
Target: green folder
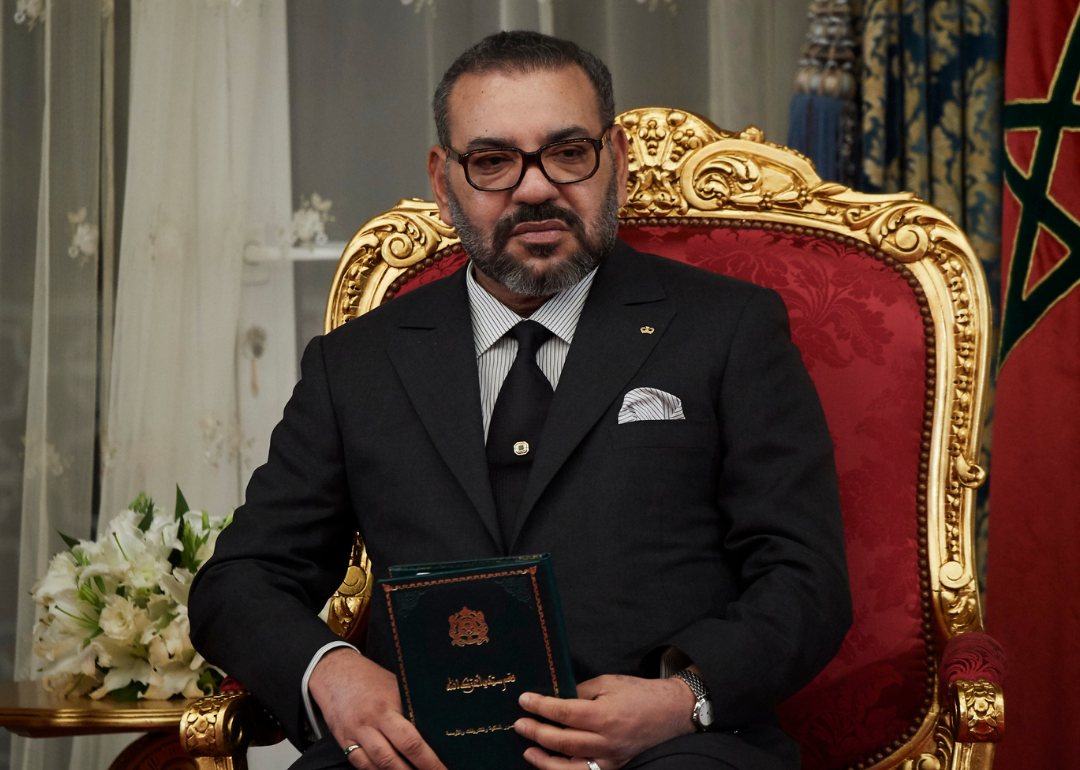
(471, 637)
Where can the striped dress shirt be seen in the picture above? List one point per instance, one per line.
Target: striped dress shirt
(495, 352)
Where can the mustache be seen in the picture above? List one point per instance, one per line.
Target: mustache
(535, 212)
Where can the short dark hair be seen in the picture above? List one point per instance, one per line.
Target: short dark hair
(523, 51)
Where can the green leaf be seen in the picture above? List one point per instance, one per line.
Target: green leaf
(142, 504)
(70, 541)
(100, 583)
(129, 693)
(210, 681)
(87, 640)
(145, 506)
(190, 542)
(181, 503)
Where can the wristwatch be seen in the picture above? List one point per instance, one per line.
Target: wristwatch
(702, 716)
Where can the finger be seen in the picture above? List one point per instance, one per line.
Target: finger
(376, 752)
(582, 714)
(405, 738)
(359, 758)
(541, 759)
(574, 743)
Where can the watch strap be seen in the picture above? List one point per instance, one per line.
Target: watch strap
(695, 682)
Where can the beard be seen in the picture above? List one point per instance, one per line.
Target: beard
(491, 257)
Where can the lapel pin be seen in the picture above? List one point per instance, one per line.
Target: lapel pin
(647, 330)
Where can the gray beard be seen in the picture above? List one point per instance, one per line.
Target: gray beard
(491, 257)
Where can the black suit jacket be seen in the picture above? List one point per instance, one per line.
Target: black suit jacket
(719, 534)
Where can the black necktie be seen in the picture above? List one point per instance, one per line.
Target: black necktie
(516, 422)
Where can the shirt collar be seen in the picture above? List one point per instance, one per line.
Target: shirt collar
(492, 319)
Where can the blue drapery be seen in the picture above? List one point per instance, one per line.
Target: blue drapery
(932, 89)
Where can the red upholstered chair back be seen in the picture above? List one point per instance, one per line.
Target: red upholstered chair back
(889, 309)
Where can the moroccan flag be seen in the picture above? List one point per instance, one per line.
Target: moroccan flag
(1033, 573)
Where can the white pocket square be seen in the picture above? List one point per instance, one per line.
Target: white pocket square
(650, 404)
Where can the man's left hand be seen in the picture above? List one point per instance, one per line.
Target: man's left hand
(613, 719)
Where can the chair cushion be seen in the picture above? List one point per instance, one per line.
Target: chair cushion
(858, 325)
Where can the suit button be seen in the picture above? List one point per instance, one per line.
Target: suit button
(521, 448)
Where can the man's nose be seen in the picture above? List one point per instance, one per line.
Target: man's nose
(535, 187)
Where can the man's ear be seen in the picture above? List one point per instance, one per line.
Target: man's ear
(620, 148)
(436, 169)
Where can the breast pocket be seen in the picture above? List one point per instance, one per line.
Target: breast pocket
(663, 434)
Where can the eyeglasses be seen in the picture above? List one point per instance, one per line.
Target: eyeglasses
(501, 168)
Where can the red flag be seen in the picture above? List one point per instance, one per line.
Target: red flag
(1033, 567)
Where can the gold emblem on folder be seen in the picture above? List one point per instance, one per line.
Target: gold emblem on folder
(647, 330)
(468, 627)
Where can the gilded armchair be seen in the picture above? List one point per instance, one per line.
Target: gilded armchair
(889, 306)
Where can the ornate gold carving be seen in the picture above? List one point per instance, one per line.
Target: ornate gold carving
(225, 725)
(203, 727)
(659, 141)
(980, 711)
(387, 245)
(350, 601)
(961, 606)
(468, 627)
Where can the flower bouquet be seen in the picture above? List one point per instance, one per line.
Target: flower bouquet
(113, 612)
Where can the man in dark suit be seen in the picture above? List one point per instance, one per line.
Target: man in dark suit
(676, 462)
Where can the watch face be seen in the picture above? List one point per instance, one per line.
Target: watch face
(704, 713)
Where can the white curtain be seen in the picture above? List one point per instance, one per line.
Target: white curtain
(208, 173)
(64, 62)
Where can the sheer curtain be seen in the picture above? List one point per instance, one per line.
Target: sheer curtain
(208, 172)
(64, 66)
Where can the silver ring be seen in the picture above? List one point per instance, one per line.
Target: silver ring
(351, 749)
(592, 765)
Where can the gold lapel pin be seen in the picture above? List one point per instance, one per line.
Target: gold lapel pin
(647, 330)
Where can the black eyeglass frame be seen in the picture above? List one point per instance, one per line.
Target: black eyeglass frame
(528, 158)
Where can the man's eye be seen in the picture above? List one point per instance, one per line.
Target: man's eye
(493, 162)
(569, 152)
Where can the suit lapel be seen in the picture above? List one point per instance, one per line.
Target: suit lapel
(609, 347)
(435, 357)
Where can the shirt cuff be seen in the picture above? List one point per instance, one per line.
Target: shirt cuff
(672, 662)
(313, 722)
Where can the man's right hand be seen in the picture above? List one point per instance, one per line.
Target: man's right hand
(360, 702)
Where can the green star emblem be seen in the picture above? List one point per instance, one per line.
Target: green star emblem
(1051, 117)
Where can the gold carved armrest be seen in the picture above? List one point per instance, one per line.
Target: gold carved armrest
(978, 707)
(219, 729)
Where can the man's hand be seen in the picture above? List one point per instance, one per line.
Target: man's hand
(614, 719)
(361, 705)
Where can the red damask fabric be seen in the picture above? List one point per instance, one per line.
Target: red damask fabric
(444, 267)
(973, 656)
(860, 331)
